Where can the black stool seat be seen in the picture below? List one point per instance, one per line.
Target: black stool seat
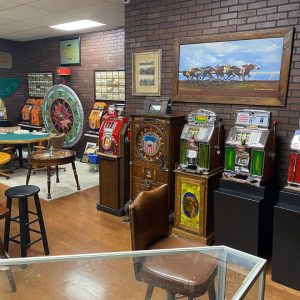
(22, 191)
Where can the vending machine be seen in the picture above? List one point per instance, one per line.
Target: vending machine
(197, 176)
(201, 142)
(96, 116)
(114, 162)
(250, 147)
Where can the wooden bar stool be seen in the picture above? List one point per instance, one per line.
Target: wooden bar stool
(4, 159)
(22, 192)
(4, 214)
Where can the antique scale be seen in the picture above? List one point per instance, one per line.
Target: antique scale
(198, 173)
(155, 137)
(250, 147)
(114, 162)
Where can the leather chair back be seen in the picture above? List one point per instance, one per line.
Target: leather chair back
(149, 219)
(56, 141)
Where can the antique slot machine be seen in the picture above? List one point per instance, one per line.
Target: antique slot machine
(196, 177)
(3, 111)
(96, 115)
(114, 165)
(155, 138)
(36, 116)
(26, 110)
(250, 147)
(294, 163)
(201, 142)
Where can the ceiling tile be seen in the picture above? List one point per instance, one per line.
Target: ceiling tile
(63, 5)
(4, 4)
(22, 1)
(23, 12)
(52, 19)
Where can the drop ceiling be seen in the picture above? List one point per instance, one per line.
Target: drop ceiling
(25, 20)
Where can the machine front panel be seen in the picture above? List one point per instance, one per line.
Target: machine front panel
(203, 155)
(257, 161)
(296, 141)
(230, 158)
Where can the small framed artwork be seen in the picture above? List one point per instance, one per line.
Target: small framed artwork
(5, 60)
(39, 83)
(249, 68)
(146, 73)
(70, 51)
(110, 85)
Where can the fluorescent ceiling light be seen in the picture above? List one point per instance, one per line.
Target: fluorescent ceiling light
(81, 24)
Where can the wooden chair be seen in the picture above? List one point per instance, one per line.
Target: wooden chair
(190, 275)
(4, 159)
(5, 213)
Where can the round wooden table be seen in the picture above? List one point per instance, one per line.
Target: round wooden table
(51, 158)
(23, 139)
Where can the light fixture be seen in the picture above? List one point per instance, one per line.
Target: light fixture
(76, 25)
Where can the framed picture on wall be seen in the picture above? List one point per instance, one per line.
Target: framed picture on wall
(39, 83)
(70, 51)
(249, 68)
(109, 85)
(146, 73)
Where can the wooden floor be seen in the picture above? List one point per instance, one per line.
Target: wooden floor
(75, 226)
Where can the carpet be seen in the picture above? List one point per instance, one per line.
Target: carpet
(87, 178)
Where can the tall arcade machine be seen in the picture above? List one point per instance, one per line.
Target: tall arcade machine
(197, 176)
(243, 203)
(286, 238)
(114, 165)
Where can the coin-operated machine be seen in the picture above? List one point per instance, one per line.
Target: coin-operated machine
(250, 147)
(96, 116)
(114, 162)
(3, 111)
(285, 255)
(294, 163)
(247, 192)
(36, 116)
(198, 173)
(26, 110)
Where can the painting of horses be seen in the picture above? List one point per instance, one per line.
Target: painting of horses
(231, 71)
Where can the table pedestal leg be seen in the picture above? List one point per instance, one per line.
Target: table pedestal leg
(20, 150)
(75, 174)
(49, 182)
(56, 168)
(28, 174)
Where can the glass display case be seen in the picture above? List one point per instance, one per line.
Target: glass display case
(112, 275)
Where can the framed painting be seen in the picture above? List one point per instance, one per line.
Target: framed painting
(70, 51)
(249, 68)
(146, 73)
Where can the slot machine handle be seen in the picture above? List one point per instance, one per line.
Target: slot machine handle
(272, 154)
(219, 133)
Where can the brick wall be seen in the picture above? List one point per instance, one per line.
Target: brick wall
(155, 24)
(14, 103)
(99, 50)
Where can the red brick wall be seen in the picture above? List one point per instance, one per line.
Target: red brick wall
(99, 50)
(14, 103)
(155, 24)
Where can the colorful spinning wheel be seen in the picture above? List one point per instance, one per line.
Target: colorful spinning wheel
(63, 113)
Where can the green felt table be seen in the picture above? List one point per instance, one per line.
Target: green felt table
(22, 139)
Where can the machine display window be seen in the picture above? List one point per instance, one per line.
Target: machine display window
(201, 133)
(154, 107)
(242, 161)
(191, 154)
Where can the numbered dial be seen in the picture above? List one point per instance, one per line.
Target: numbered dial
(150, 143)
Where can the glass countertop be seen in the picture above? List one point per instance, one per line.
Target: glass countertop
(112, 275)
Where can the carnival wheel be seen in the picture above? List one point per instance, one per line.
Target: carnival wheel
(63, 113)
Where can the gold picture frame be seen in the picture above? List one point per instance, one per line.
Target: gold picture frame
(146, 73)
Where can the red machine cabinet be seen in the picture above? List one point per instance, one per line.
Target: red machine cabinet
(114, 163)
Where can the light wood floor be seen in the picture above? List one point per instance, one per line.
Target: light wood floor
(75, 226)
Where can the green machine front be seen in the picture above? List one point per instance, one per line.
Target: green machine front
(250, 147)
(200, 143)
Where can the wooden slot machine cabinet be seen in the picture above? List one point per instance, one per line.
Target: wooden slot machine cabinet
(114, 162)
(154, 148)
(197, 176)
(26, 110)
(96, 115)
